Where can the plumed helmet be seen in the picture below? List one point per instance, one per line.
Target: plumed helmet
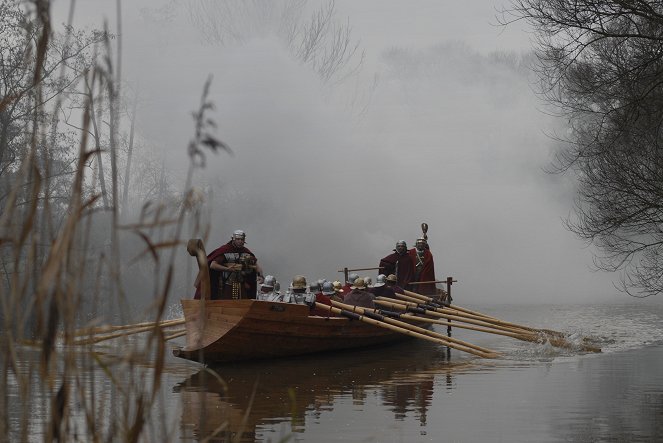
(239, 234)
(338, 286)
(299, 282)
(380, 281)
(352, 277)
(359, 283)
(269, 282)
(328, 288)
(392, 278)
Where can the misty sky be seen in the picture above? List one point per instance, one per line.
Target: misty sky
(433, 128)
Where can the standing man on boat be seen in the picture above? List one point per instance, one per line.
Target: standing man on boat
(424, 267)
(400, 264)
(234, 270)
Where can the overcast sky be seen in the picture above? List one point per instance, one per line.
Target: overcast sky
(433, 127)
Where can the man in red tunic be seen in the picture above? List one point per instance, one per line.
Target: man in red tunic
(233, 270)
(400, 264)
(424, 267)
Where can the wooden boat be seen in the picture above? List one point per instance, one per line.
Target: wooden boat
(233, 330)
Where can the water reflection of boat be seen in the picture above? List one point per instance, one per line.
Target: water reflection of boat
(254, 399)
(233, 330)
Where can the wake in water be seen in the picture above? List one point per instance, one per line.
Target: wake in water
(610, 327)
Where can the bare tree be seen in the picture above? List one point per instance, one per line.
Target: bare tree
(601, 65)
(319, 40)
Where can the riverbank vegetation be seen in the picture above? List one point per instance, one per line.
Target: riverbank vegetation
(600, 65)
(83, 199)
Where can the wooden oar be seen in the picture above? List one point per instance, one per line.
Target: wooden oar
(413, 307)
(529, 334)
(454, 325)
(413, 301)
(103, 337)
(430, 300)
(111, 328)
(492, 320)
(401, 330)
(402, 324)
(175, 334)
(469, 311)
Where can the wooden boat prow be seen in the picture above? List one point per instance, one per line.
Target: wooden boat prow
(234, 330)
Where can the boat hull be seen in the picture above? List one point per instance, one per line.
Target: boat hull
(235, 330)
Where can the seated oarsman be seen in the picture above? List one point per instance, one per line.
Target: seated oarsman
(338, 291)
(380, 288)
(297, 292)
(392, 282)
(266, 292)
(359, 296)
(324, 297)
(348, 284)
(315, 288)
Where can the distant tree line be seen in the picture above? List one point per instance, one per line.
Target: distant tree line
(600, 63)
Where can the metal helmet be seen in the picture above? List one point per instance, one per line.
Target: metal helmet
(352, 277)
(359, 283)
(338, 286)
(380, 281)
(269, 282)
(239, 235)
(421, 243)
(299, 282)
(401, 243)
(314, 287)
(368, 281)
(328, 288)
(392, 278)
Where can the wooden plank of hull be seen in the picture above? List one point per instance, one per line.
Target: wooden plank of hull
(251, 329)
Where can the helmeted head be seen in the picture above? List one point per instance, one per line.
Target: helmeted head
(380, 281)
(338, 287)
(401, 247)
(368, 281)
(420, 244)
(238, 238)
(359, 283)
(321, 282)
(299, 282)
(352, 277)
(314, 287)
(268, 283)
(328, 288)
(391, 279)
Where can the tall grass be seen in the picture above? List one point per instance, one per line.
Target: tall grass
(61, 231)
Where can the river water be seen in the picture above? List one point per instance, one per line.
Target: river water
(421, 392)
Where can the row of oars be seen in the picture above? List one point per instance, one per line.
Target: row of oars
(108, 332)
(411, 307)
